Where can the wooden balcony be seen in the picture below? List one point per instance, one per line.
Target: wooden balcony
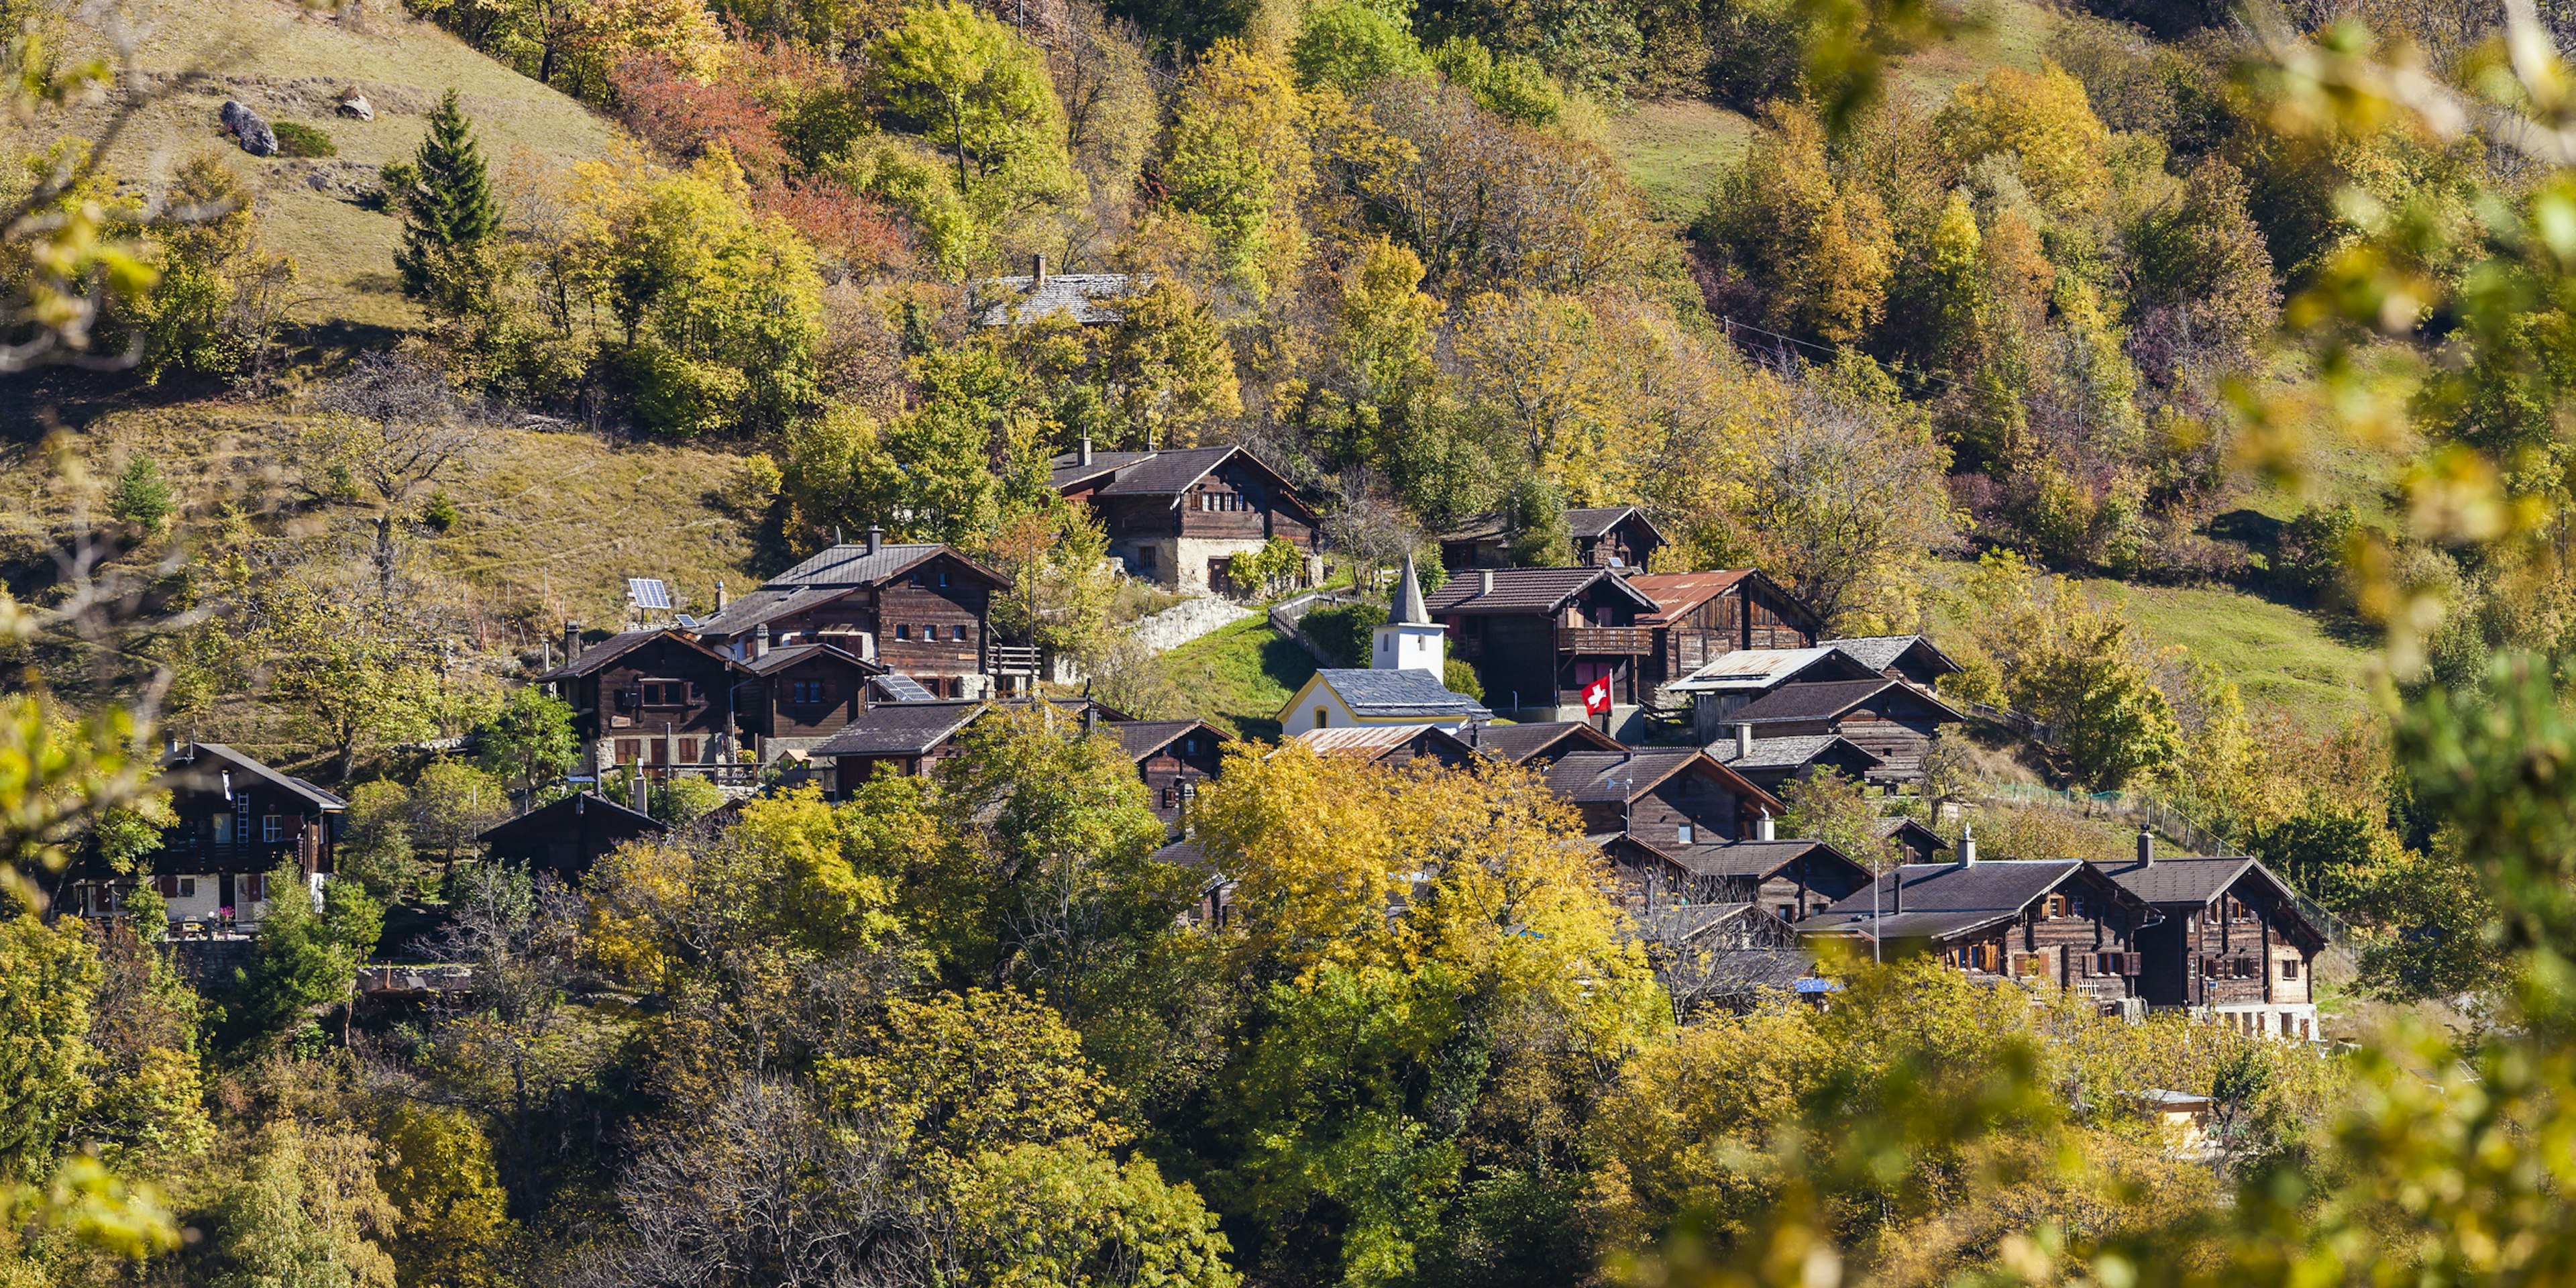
(1011, 659)
(1604, 639)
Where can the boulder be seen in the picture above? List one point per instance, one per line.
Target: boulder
(256, 138)
(356, 105)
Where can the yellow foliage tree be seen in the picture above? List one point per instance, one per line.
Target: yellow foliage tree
(1238, 160)
(2044, 120)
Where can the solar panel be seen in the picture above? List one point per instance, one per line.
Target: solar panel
(903, 688)
(648, 592)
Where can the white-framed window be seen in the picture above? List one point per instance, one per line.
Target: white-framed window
(272, 828)
(187, 887)
(1686, 834)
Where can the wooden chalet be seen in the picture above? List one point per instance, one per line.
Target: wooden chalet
(656, 699)
(1890, 719)
(1727, 684)
(2058, 922)
(1700, 617)
(920, 611)
(1666, 796)
(1914, 659)
(1618, 536)
(1538, 636)
(1536, 745)
(239, 821)
(566, 836)
(1174, 757)
(1177, 518)
(2233, 943)
(1919, 844)
(1789, 878)
(1769, 762)
(805, 694)
(912, 738)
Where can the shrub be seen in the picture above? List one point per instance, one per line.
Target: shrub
(1344, 630)
(1462, 678)
(439, 512)
(142, 496)
(303, 141)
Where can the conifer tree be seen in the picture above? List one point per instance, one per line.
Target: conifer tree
(450, 216)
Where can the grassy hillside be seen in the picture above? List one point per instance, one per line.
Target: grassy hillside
(1239, 677)
(2280, 657)
(291, 62)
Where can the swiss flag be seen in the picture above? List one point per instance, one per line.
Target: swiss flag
(1596, 697)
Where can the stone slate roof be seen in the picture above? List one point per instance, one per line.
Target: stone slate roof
(1826, 699)
(287, 782)
(1787, 753)
(1397, 693)
(1516, 743)
(1756, 860)
(1594, 522)
(1679, 924)
(1010, 301)
(1879, 652)
(1943, 899)
(624, 819)
(827, 576)
(779, 659)
(1526, 590)
(1067, 468)
(900, 729)
(2191, 881)
(1590, 777)
(1168, 473)
(1756, 669)
(1143, 738)
(619, 645)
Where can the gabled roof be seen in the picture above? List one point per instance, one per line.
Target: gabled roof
(900, 729)
(1163, 473)
(1679, 593)
(608, 813)
(1367, 742)
(2192, 881)
(1947, 899)
(1517, 743)
(829, 575)
(1752, 670)
(779, 659)
(1596, 521)
(1009, 301)
(1068, 470)
(1587, 777)
(1524, 590)
(1753, 860)
(1389, 694)
(1790, 753)
(607, 651)
(191, 752)
(1825, 700)
(1143, 738)
(1889, 828)
(1879, 652)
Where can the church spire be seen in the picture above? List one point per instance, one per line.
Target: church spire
(1410, 610)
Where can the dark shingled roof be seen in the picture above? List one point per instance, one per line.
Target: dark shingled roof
(2192, 880)
(1681, 923)
(900, 729)
(1754, 859)
(1597, 776)
(1902, 925)
(1824, 700)
(614, 814)
(1879, 652)
(1992, 885)
(289, 782)
(1788, 753)
(619, 645)
(1397, 693)
(1516, 743)
(1068, 469)
(1523, 590)
(827, 576)
(1143, 738)
(1006, 301)
(1168, 473)
(778, 659)
(1594, 522)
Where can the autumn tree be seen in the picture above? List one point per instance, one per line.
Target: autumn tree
(979, 98)
(1237, 161)
(1813, 246)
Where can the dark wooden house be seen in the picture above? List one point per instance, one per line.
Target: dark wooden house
(2061, 923)
(1789, 878)
(920, 611)
(564, 837)
(1538, 636)
(1733, 681)
(1917, 843)
(913, 737)
(1890, 719)
(1618, 536)
(1702, 616)
(1177, 518)
(1914, 659)
(1666, 796)
(656, 699)
(805, 694)
(1535, 745)
(1769, 762)
(2233, 942)
(1174, 757)
(239, 822)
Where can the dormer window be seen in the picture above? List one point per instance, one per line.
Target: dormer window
(1686, 834)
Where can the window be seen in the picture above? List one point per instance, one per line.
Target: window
(666, 693)
(1319, 718)
(2289, 968)
(943, 576)
(185, 887)
(903, 632)
(272, 828)
(1684, 834)
(2075, 903)
(629, 750)
(2056, 906)
(1788, 912)
(806, 693)
(688, 751)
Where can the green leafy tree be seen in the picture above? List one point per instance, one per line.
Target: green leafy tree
(375, 846)
(1833, 807)
(451, 218)
(308, 958)
(974, 91)
(49, 978)
(452, 803)
(528, 742)
(451, 1227)
(1350, 45)
(2111, 722)
(1237, 159)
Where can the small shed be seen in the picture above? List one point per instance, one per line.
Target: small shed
(565, 837)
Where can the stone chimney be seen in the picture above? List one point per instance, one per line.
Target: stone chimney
(2146, 847)
(876, 538)
(760, 641)
(1037, 270)
(1485, 582)
(572, 640)
(1082, 455)
(1744, 742)
(1967, 845)
(1763, 829)
(721, 601)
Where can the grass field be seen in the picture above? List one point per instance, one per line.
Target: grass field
(1239, 677)
(2280, 657)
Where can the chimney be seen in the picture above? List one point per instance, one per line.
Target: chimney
(1485, 582)
(876, 537)
(1762, 830)
(1744, 742)
(720, 595)
(1090, 717)
(1083, 456)
(572, 640)
(1967, 845)
(1037, 270)
(2146, 847)
(760, 642)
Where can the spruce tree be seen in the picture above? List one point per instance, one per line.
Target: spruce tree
(450, 214)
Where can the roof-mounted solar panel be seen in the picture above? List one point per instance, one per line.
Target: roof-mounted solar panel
(648, 592)
(903, 688)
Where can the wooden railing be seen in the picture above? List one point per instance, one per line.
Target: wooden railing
(1604, 639)
(1011, 659)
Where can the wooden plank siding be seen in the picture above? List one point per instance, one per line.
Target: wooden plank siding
(1177, 771)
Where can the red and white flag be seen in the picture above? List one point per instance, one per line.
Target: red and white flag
(1596, 697)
